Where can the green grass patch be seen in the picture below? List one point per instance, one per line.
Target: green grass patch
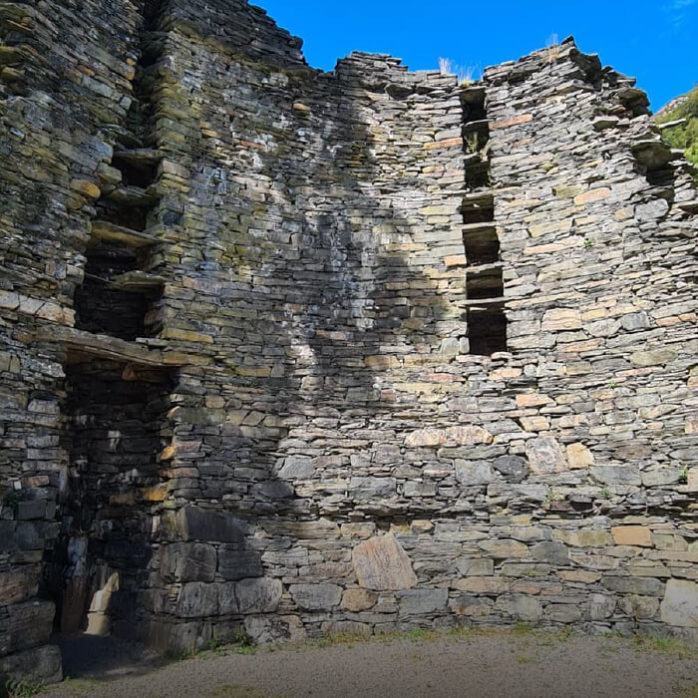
(666, 644)
(21, 688)
(684, 136)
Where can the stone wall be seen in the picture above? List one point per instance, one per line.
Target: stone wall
(60, 102)
(294, 352)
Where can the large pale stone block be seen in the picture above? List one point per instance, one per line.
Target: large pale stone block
(562, 319)
(545, 456)
(382, 564)
(680, 604)
(426, 437)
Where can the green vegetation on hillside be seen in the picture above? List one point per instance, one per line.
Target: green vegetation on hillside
(686, 135)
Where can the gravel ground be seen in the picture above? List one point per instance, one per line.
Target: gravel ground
(444, 665)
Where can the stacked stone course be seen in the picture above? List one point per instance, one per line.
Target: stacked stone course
(253, 320)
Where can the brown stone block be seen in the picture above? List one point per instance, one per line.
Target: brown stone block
(168, 453)
(507, 373)
(86, 188)
(532, 400)
(446, 143)
(125, 499)
(591, 196)
(355, 600)
(455, 261)
(469, 435)
(382, 362)
(632, 535)
(158, 493)
(186, 335)
(545, 249)
(579, 456)
(508, 123)
(535, 423)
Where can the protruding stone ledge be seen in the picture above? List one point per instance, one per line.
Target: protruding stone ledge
(137, 282)
(113, 349)
(139, 156)
(104, 231)
(479, 125)
(689, 206)
(134, 196)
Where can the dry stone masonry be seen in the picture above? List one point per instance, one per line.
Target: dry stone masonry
(290, 352)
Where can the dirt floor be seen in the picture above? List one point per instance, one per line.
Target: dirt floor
(520, 663)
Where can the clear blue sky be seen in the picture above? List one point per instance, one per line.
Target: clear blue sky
(655, 41)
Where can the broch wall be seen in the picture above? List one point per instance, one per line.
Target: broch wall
(294, 352)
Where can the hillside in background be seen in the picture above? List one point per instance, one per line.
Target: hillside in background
(684, 135)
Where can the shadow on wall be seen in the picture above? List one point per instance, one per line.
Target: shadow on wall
(321, 305)
(305, 303)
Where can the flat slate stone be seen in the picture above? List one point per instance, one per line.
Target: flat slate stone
(258, 595)
(415, 602)
(316, 597)
(189, 562)
(526, 608)
(235, 564)
(194, 523)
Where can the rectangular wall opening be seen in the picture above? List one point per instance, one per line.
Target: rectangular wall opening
(112, 300)
(117, 425)
(487, 329)
(481, 243)
(131, 217)
(136, 172)
(484, 280)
